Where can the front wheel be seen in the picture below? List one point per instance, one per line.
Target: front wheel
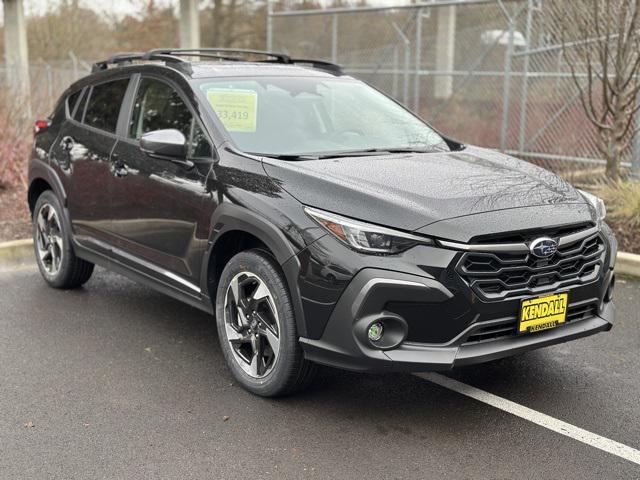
(56, 259)
(256, 327)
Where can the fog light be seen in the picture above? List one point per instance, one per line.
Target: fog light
(375, 331)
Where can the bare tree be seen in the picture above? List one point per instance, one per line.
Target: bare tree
(601, 44)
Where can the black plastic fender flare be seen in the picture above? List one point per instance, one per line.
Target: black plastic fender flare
(229, 217)
(40, 170)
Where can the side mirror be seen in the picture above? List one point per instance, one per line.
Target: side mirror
(169, 143)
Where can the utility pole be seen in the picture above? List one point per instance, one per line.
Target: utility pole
(16, 51)
(189, 24)
(635, 160)
(269, 25)
(445, 51)
(418, 55)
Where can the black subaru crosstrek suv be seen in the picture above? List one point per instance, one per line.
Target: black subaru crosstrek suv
(319, 220)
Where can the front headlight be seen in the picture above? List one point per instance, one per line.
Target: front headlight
(597, 203)
(364, 236)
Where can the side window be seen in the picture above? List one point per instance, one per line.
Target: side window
(200, 146)
(158, 106)
(103, 106)
(80, 108)
(73, 100)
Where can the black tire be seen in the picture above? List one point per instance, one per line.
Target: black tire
(71, 271)
(290, 372)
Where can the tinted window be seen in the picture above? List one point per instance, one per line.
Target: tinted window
(72, 100)
(80, 108)
(104, 103)
(158, 106)
(200, 147)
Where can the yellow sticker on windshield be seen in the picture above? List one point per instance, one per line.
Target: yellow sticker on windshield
(236, 109)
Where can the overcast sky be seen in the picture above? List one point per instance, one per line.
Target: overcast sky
(122, 7)
(110, 7)
(117, 7)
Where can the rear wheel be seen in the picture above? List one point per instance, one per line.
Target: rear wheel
(52, 245)
(256, 327)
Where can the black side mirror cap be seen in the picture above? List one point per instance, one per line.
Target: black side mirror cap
(168, 143)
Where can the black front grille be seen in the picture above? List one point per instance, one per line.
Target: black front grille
(499, 275)
(508, 327)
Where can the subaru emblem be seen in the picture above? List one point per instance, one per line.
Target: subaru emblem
(543, 247)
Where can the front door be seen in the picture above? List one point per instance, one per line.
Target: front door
(157, 213)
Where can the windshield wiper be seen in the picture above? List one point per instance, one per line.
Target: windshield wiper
(285, 156)
(345, 153)
(375, 151)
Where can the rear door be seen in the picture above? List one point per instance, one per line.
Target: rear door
(83, 149)
(157, 213)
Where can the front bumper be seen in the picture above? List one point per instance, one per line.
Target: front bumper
(343, 344)
(441, 316)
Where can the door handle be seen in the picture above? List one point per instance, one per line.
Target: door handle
(67, 143)
(118, 167)
(121, 171)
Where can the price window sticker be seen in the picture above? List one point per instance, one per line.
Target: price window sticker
(236, 109)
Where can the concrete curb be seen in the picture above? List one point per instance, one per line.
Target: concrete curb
(21, 251)
(16, 252)
(628, 264)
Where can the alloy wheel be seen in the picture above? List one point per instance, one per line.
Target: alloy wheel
(49, 239)
(252, 324)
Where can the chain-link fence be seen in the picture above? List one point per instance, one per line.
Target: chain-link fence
(47, 80)
(487, 72)
(27, 95)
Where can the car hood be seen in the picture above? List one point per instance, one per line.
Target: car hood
(410, 191)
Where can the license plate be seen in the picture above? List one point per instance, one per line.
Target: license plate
(542, 313)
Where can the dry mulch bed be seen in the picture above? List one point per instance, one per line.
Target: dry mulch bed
(15, 221)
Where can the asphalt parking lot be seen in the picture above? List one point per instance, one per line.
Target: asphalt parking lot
(118, 381)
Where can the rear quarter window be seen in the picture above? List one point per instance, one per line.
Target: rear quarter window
(72, 101)
(103, 106)
(79, 112)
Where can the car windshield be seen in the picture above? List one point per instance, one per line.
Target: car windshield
(298, 116)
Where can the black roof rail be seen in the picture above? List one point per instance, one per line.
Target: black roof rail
(222, 53)
(116, 59)
(130, 57)
(228, 54)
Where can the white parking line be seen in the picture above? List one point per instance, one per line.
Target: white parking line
(577, 433)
